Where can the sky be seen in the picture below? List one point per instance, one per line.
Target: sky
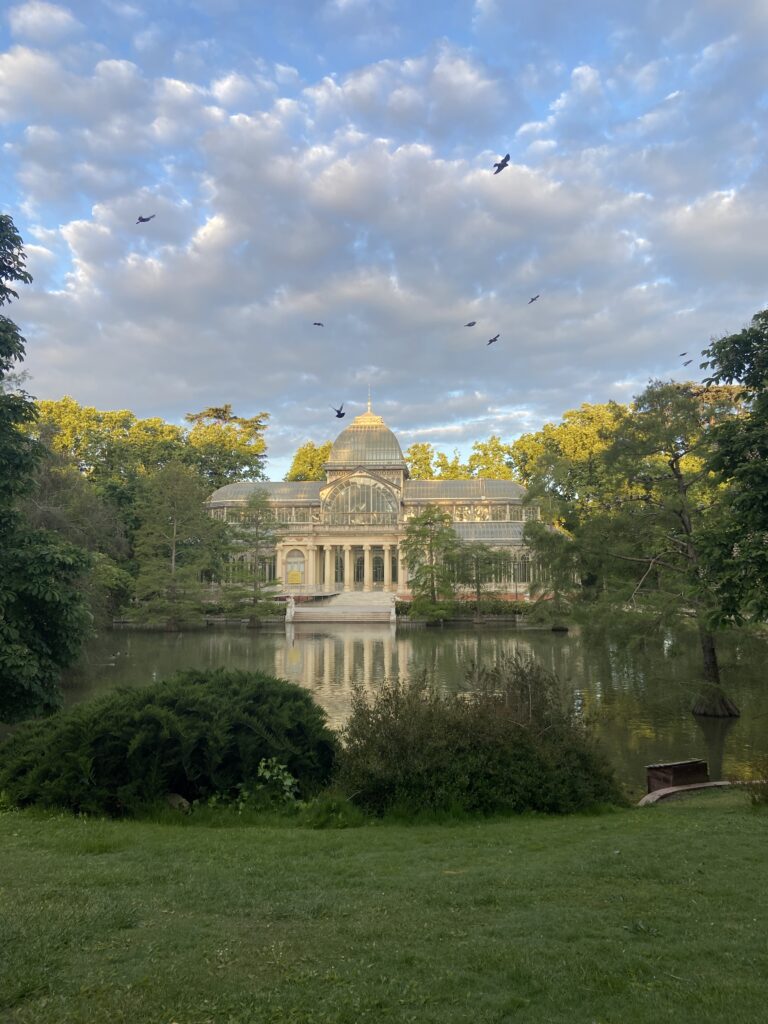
(332, 160)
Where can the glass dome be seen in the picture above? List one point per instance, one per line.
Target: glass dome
(367, 441)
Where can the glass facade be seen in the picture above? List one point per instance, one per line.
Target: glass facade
(362, 503)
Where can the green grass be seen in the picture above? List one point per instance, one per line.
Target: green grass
(651, 915)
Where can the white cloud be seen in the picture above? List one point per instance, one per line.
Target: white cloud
(365, 199)
(42, 22)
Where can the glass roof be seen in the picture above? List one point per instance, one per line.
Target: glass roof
(478, 488)
(489, 533)
(293, 491)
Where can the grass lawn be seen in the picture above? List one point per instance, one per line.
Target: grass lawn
(659, 914)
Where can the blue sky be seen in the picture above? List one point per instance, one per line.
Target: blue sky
(332, 161)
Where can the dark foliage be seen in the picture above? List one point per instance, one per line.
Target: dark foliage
(512, 745)
(198, 734)
(489, 605)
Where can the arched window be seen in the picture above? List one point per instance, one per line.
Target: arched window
(362, 503)
(294, 568)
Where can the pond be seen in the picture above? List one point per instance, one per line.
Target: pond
(637, 695)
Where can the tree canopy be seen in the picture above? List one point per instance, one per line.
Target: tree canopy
(309, 460)
(43, 617)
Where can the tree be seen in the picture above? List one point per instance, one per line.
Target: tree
(737, 546)
(429, 546)
(491, 459)
(43, 618)
(252, 541)
(176, 543)
(450, 469)
(420, 458)
(309, 460)
(65, 502)
(225, 448)
(636, 502)
(477, 564)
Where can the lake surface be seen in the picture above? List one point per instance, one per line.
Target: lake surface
(637, 695)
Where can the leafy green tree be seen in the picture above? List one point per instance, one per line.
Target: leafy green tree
(565, 462)
(225, 448)
(477, 564)
(177, 542)
(636, 501)
(43, 619)
(309, 460)
(737, 546)
(420, 458)
(491, 459)
(429, 547)
(65, 502)
(252, 541)
(450, 469)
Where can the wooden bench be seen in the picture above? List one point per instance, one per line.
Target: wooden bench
(676, 773)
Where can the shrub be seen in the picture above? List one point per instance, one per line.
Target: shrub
(757, 783)
(512, 745)
(198, 734)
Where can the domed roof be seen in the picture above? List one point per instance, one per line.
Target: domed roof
(367, 441)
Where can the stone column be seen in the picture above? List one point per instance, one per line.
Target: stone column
(311, 559)
(330, 567)
(402, 574)
(347, 566)
(279, 564)
(367, 571)
(387, 566)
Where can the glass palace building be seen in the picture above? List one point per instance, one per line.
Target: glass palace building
(345, 533)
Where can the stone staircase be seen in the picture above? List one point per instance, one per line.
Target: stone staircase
(354, 606)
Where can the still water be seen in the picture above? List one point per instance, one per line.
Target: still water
(638, 696)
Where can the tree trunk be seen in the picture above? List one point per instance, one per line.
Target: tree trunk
(712, 702)
(709, 654)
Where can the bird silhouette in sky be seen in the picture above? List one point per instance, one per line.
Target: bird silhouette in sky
(494, 338)
(687, 361)
(681, 354)
(339, 412)
(471, 323)
(145, 220)
(533, 299)
(501, 164)
(317, 323)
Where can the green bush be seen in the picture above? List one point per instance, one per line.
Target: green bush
(511, 745)
(756, 784)
(198, 734)
(490, 604)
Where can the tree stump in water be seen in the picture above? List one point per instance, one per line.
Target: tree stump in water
(713, 703)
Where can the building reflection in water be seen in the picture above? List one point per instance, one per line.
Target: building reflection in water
(329, 661)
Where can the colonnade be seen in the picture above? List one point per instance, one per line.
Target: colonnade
(315, 565)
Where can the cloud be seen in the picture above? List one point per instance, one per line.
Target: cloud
(42, 22)
(635, 202)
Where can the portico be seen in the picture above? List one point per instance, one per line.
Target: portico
(336, 565)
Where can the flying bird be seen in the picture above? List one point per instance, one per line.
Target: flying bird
(317, 323)
(471, 323)
(145, 220)
(533, 299)
(339, 413)
(495, 338)
(687, 361)
(681, 354)
(501, 164)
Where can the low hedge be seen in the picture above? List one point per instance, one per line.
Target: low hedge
(197, 734)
